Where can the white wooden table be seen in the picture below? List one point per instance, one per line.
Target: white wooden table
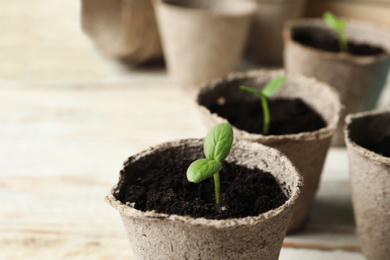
(61, 147)
(68, 120)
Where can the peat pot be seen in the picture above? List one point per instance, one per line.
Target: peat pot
(367, 136)
(163, 236)
(124, 30)
(359, 78)
(202, 39)
(306, 150)
(265, 42)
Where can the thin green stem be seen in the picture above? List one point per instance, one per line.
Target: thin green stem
(343, 42)
(217, 188)
(266, 115)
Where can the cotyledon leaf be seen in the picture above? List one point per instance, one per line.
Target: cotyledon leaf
(202, 169)
(218, 142)
(273, 86)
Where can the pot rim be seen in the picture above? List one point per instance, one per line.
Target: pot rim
(360, 149)
(249, 10)
(219, 224)
(321, 133)
(276, 1)
(319, 23)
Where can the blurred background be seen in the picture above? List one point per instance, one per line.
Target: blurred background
(43, 41)
(69, 117)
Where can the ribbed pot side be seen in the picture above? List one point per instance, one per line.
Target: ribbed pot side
(306, 150)
(202, 39)
(358, 79)
(265, 42)
(125, 30)
(161, 236)
(370, 181)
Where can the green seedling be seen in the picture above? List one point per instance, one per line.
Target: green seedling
(338, 25)
(268, 91)
(217, 146)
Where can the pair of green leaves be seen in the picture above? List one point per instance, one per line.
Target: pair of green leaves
(217, 146)
(268, 91)
(338, 25)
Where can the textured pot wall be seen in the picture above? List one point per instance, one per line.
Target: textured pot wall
(161, 236)
(359, 80)
(265, 42)
(202, 39)
(307, 150)
(157, 239)
(122, 29)
(370, 182)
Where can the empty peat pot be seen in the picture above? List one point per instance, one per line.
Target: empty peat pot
(359, 75)
(307, 150)
(265, 42)
(124, 30)
(155, 235)
(367, 136)
(202, 39)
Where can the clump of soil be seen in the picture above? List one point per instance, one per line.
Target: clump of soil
(327, 40)
(164, 188)
(288, 116)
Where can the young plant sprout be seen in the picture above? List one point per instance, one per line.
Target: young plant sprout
(338, 25)
(217, 145)
(268, 91)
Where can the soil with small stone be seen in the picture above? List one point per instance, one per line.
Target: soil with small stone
(288, 116)
(164, 188)
(382, 147)
(326, 40)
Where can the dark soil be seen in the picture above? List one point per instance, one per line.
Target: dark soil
(327, 40)
(287, 116)
(165, 189)
(382, 147)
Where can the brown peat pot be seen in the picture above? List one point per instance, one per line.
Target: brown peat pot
(124, 30)
(265, 42)
(367, 136)
(202, 39)
(154, 235)
(307, 150)
(358, 75)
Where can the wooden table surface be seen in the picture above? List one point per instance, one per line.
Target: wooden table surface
(68, 120)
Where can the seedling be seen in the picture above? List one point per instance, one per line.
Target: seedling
(217, 147)
(338, 25)
(268, 91)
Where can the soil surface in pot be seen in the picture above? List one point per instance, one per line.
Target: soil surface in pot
(164, 188)
(382, 147)
(326, 40)
(288, 116)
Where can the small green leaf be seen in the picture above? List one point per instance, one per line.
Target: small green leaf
(335, 23)
(273, 86)
(252, 90)
(338, 25)
(331, 21)
(202, 169)
(218, 142)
